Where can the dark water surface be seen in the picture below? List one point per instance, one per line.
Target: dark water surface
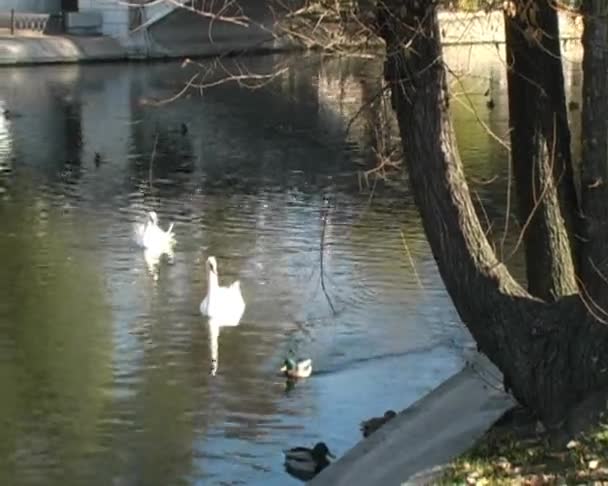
(104, 369)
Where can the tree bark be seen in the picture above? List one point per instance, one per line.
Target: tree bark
(540, 148)
(594, 178)
(552, 353)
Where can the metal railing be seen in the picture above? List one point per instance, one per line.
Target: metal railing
(15, 21)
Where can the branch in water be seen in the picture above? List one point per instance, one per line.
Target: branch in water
(324, 212)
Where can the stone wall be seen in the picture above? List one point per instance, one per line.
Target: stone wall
(115, 16)
(480, 27)
(31, 6)
(170, 31)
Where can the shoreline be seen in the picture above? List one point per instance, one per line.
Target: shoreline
(458, 29)
(415, 446)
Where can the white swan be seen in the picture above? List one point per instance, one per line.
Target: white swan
(223, 305)
(151, 237)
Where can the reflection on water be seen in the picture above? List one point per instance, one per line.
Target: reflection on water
(104, 368)
(214, 355)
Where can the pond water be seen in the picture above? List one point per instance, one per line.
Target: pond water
(104, 362)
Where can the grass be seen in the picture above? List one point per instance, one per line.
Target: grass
(519, 454)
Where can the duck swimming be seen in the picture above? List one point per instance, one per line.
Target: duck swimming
(304, 463)
(368, 427)
(297, 369)
(223, 305)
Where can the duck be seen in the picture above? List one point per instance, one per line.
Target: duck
(152, 238)
(297, 369)
(368, 427)
(305, 463)
(223, 305)
(9, 114)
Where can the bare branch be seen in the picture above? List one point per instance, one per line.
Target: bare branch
(409, 255)
(324, 212)
(237, 18)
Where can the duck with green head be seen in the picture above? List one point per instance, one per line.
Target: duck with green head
(297, 369)
(305, 463)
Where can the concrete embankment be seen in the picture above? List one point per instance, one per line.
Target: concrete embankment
(427, 435)
(16, 50)
(183, 34)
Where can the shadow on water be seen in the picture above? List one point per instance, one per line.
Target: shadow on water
(105, 372)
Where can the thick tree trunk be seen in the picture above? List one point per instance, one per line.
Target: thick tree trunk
(594, 180)
(540, 148)
(551, 353)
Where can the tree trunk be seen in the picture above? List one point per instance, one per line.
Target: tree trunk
(540, 148)
(594, 178)
(552, 353)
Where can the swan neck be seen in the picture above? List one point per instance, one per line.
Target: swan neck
(212, 281)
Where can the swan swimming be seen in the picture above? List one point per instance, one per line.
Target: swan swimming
(151, 237)
(223, 305)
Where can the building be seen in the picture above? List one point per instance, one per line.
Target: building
(32, 6)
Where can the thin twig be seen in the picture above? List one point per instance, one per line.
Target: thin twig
(485, 214)
(547, 184)
(409, 255)
(589, 303)
(177, 95)
(152, 157)
(240, 20)
(321, 252)
(239, 78)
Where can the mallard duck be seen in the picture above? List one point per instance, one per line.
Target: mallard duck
(369, 426)
(297, 369)
(304, 463)
(151, 237)
(223, 305)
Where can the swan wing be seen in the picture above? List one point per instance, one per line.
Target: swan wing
(139, 230)
(204, 307)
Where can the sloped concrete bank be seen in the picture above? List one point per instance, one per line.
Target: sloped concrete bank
(428, 434)
(23, 50)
